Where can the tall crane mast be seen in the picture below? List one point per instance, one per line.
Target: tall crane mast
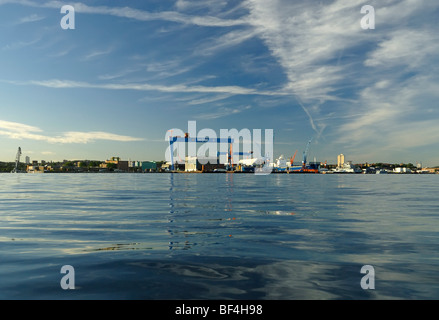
(17, 160)
(305, 154)
(292, 159)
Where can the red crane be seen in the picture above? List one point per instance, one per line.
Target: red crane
(292, 159)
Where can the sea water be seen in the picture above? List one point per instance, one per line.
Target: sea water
(218, 236)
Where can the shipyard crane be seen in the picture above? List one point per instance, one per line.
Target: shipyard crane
(292, 159)
(311, 168)
(305, 154)
(17, 160)
(173, 139)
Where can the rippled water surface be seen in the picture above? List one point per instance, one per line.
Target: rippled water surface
(219, 236)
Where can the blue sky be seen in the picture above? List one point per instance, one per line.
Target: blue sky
(131, 70)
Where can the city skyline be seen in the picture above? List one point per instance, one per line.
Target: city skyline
(130, 71)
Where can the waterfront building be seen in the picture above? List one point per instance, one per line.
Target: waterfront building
(148, 166)
(340, 160)
(191, 164)
(402, 170)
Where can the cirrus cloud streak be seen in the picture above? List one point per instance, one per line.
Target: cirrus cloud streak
(15, 130)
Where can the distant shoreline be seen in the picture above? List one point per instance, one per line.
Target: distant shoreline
(226, 172)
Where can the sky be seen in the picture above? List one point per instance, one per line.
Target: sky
(131, 70)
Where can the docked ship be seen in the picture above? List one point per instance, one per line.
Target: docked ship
(347, 167)
(311, 167)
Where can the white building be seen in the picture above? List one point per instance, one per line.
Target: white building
(402, 170)
(347, 167)
(190, 164)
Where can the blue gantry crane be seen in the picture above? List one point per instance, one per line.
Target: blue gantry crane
(186, 139)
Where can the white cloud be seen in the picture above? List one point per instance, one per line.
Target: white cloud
(230, 39)
(211, 6)
(17, 127)
(178, 88)
(141, 15)
(168, 68)
(208, 99)
(136, 14)
(306, 37)
(390, 71)
(61, 53)
(360, 85)
(406, 47)
(397, 114)
(97, 53)
(221, 112)
(15, 130)
(31, 18)
(20, 44)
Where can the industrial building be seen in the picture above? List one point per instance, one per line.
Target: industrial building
(115, 161)
(149, 166)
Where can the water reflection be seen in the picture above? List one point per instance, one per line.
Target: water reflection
(174, 223)
(221, 235)
(198, 216)
(229, 192)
